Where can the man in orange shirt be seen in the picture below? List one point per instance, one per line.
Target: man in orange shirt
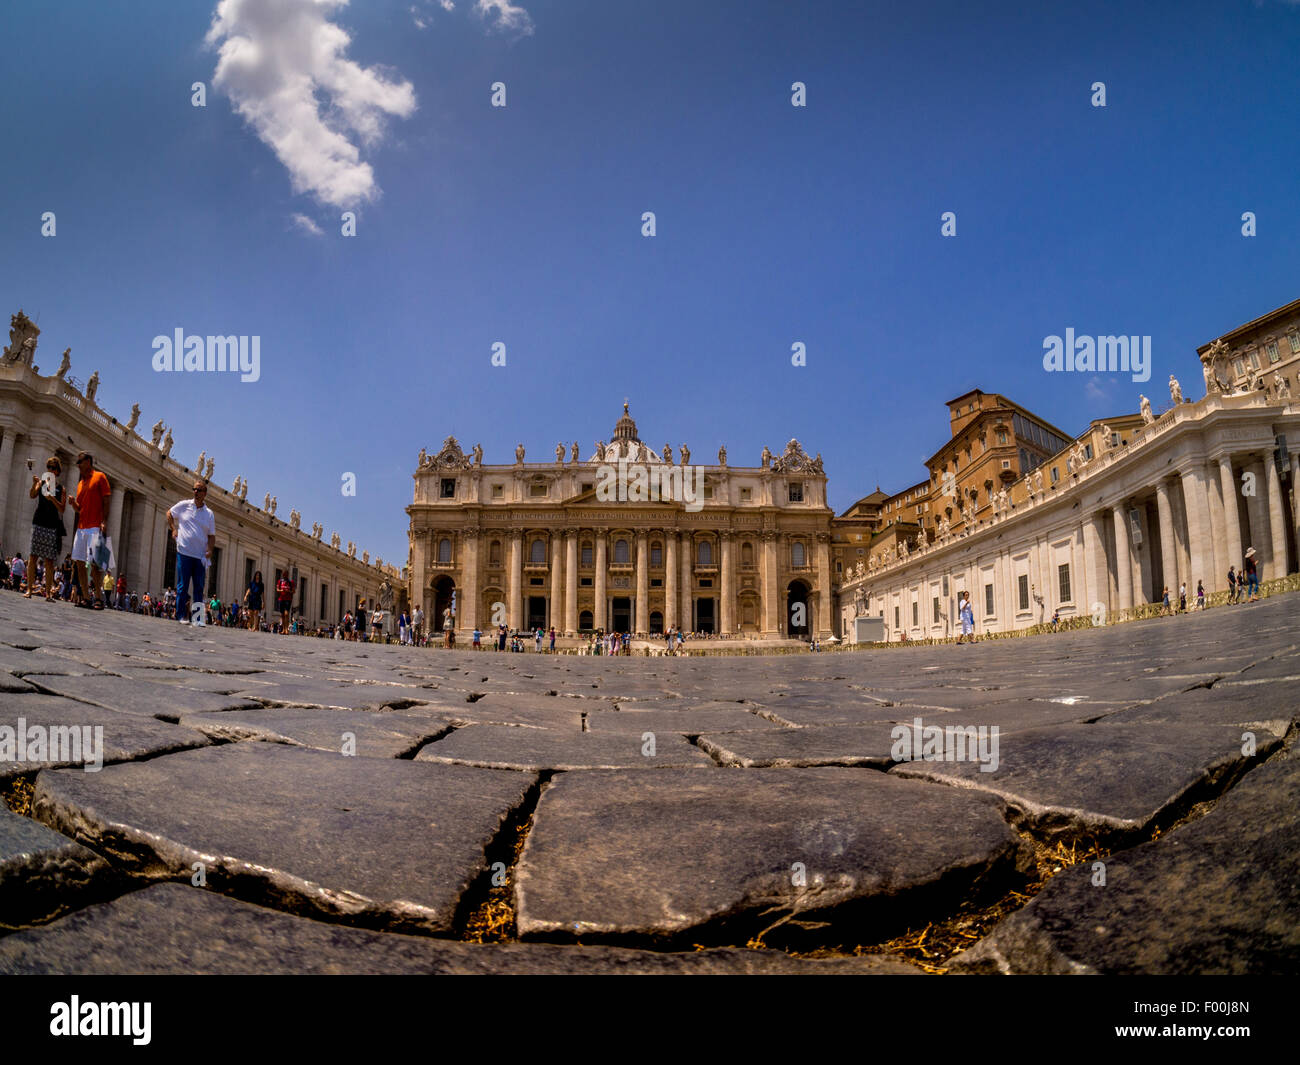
(91, 505)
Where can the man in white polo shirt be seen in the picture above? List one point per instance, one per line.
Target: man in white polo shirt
(194, 527)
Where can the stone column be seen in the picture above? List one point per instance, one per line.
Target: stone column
(1094, 563)
(1198, 531)
(728, 609)
(1257, 516)
(687, 606)
(1123, 557)
(602, 566)
(1295, 496)
(557, 581)
(771, 624)
(642, 623)
(1276, 519)
(1218, 530)
(467, 601)
(1168, 560)
(672, 582)
(1231, 517)
(1182, 548)
(825, 622)
(516, 581)
(571, 581)
(6, 471)
(116, 505)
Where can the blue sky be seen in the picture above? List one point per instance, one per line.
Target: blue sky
(522, 224)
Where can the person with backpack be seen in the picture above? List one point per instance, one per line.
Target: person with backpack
(284, 599)
(1252, 576)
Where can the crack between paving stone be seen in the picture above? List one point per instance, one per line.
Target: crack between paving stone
(486, 913)
(420, 745)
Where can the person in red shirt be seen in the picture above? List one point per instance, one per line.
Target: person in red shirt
(121, 592)
(91, 505)
(284, 599)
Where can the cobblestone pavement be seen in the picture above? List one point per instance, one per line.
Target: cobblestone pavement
(281, 804)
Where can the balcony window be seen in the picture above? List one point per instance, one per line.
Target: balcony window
(705, 554)
(797, 554)
(537, 551)
(444, 550)
(621, 551)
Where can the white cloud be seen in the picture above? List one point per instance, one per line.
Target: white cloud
(449, 5)
(301, 221)
(283, 64)
(420, 24)
(505, 17)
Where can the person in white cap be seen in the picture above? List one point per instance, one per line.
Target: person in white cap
(1252, 575)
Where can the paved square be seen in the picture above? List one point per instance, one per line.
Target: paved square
(292, 804)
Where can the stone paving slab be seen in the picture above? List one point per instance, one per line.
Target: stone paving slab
(125, 737)
(1114, 782)
(1271, 705)
(1283, 667)
(170, 929)
(637, 851)
(166, 702)
(1218, 895)
(380, 841)
(369, 734)
(11, 683)
(19, 661)
(846, 745)
(687, 722)
(341, 694)
(563, 715)
(534, 749)
(42, 873)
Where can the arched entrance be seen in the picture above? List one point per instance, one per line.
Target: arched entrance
(798, 610)
(656, 622)
(443, 588)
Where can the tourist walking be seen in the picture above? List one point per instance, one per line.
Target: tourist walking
(253, 595)
(1232, 584)
(403, 629)
(91, 505)
(47, 522)
(967, 617)
(359, 621)
(1200, 595)
(284, 599)
(194, 528)
(1165, 608)
(1182, 598)
(552, 639)
(1252, 576)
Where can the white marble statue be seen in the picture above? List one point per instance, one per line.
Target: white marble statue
(352, 549)
(207, 473)
(198, 466)
(92, 386)
(65, 364)
(157, 432)
(519, 453)
(266, 502)
(274, 503)
(686, 455)
(478, 454)
(573, 454)
(668, 453)
(1147, 416)
(559, 453)
(295, 519)
(243, 490)
(1281, 387)
(135, 416)
(167, 444)
(1175, 390)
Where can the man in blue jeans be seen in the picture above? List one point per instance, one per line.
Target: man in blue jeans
(194, 528)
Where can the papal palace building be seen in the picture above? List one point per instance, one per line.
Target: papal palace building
(42, 416)
(1030, 520)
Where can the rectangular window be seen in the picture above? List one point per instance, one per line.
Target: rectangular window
(746, 494)
(324, 599)
(584, 582)
(656, 582)
(895, 617)
(1271, 348)
(708, 491)
(1022, 583)
(587, 486)
(656, 556)
(916, 611)
(537, 490)
(706, 582)
(1239, 365)
(1294, 338)
(1006, 464)
(1063, 576)
(936, 609)
(586, 556)
(536, 582)
(448, 488)
(1056, 475)
(796, 491)
(988, 600)
(498, 491)
(1087, 452)
(1254, 359)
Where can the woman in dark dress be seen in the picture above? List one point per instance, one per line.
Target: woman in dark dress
(253, 601)
(47, 525)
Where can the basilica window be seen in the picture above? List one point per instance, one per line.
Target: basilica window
(746, 554)
(1254, 359)
(537, 490)
(537, 551)
(498, 491)
(746, 495)
(494, 553)
(705, 553)
(1294, 338)
(796, 554)
(656, 555)
(796, 491)
(449, 486)
(586, 556)
(1271, 349)
(621, 551)
(444, 550)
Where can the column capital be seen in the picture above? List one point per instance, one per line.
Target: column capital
(470, 533)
